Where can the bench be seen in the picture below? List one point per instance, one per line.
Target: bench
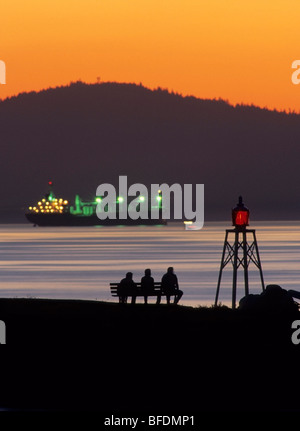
(139, 291)
(157, 292)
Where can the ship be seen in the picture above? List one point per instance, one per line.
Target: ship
(53, 211)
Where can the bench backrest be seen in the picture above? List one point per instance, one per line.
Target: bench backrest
(114, 288)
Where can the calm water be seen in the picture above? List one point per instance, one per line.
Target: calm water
(81, 262)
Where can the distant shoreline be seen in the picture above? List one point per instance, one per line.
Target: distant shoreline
(226, 223)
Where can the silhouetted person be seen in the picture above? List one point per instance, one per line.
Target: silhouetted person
(127, 287)
(147, 284)
(169, 284)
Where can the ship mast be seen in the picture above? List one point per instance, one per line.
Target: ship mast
(50, 195)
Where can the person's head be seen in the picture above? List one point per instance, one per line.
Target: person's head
(170, 270)
(147, 271)
(129, 275)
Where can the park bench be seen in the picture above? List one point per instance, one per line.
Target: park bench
(139, 291)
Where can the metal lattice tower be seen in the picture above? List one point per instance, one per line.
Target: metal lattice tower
(239, 252)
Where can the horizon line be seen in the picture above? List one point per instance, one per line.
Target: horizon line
(288, 111)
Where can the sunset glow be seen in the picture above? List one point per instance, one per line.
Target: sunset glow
(241, 51)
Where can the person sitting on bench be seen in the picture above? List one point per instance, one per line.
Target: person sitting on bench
(127, 287)
(147, 285)
(169, 285)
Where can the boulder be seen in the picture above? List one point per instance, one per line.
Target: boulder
(273, 298)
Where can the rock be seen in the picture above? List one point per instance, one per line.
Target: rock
(273, 298)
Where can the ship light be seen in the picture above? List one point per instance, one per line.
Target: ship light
(120, 199)
(98, 200)
(142, 198)
(66, 202)
(158, 198)
(30, 208)
(240, 215)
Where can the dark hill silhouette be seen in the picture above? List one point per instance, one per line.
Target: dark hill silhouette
(83, 135)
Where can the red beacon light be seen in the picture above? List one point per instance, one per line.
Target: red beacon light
(240, 215)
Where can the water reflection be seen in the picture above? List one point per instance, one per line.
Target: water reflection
(80, 262)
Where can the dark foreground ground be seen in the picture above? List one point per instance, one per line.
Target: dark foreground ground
(89, 355)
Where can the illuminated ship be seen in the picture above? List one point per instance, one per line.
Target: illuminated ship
(53, 211)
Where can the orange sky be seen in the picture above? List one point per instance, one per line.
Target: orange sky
(240, 50)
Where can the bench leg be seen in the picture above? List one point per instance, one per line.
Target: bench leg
(122, 299)
(178, 296)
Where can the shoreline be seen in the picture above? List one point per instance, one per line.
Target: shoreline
(103, 356)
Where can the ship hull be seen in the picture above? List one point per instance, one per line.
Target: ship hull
(79, 220)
